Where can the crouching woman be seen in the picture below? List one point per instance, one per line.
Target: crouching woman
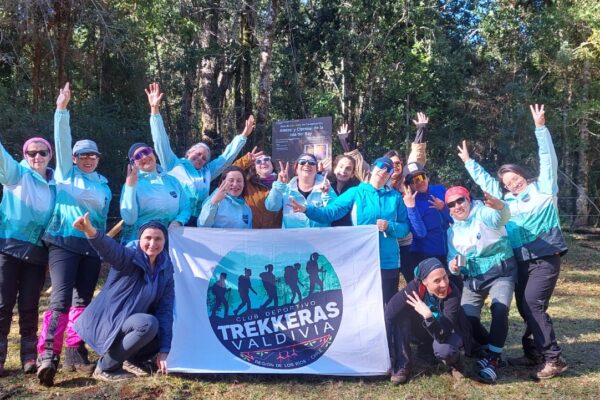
(428, 309)
(131, 320)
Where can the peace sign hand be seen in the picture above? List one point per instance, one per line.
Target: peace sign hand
(249, 126)
(254, 154)
(220, 193)
(282, 176)
(537, 112)
(132, 175)
(297, 207)
(463, 152)
(409, 197)
(436, 203)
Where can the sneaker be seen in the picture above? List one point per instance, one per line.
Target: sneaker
(524, 361)
(488, 373)
(400, 377)
(113, 376)
(47, 370)
(137, 370)
(484, 362)
(550, 369)
(76, 360)
(29, 367)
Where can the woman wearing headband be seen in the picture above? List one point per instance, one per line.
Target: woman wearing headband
(196, 170)
(306, 188)
(74, 264)
(478, 247)
(371, 203)
(538, 243)
(150, 194)
(29, 192)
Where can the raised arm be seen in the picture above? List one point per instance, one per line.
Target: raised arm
(548, 179)
(481, 177)
(162, 145)
(496, 213)
(343, 133)
(418, 148)
(217, 165)
(128, 205)
(62, 134)
(10, 170)
(274, 201)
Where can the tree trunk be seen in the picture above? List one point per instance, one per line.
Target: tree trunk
(264, 80)
(63, 26)
(581, 204)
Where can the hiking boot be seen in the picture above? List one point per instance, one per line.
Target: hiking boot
(400, 377)
(137, 370)
(488, 373)
(525, 361)
(29, 367)
(76, 360)
(112, 376)
(47, 370)
(550, 369)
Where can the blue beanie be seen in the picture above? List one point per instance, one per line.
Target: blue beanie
(134, 147)
(427, 266)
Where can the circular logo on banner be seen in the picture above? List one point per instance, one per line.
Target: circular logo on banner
(279, 312)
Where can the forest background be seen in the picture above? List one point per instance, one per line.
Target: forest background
(471, 66)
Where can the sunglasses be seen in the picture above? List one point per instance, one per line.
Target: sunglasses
(87, 156)
(33, 153)
(388, 168)
(418, 178)
(304, 161)
(459, 201)
(144, 152)
(262, 160)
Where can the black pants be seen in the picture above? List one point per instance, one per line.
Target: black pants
(390, 279)
(74, 277)
(406, 264)
(537, 280)
(23, 281)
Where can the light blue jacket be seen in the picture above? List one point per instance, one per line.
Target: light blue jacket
(156, 196)
(77, 192)
(534, 227)
(27, 204)
(196, 182)
(366, 205)
(231, 212)
(279, 197)
(482, 239)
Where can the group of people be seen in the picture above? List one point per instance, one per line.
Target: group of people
(453, 251)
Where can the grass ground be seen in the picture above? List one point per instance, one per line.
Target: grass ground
(575, 309)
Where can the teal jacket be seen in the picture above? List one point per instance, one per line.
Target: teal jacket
(196, 182)
(231, 212)
(77, 192)
(27, 204)
(279, 198)
(482, 239)
(366, 205)
(534, 227)
(156, 196)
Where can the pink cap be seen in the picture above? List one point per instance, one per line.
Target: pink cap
(36, 139)
(460, 190)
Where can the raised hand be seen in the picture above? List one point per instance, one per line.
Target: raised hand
(421, 119)
(492, 202)
(463, 151)
(343, 130)
(220, 193)
(84, 225)
(436, 203)
(254, 154)
(282, 176)
(325, 186)
(297, 207)
(415, 302)
(324, 166)
(154, 97)
(249, 127)
(409, 197)
(537, 112)
(132, 175)
(63, 97)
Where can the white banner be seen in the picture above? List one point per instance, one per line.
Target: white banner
(303, 301)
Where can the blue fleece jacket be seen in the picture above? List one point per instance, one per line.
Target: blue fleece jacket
(428, 225)
(231, 212)
(196, 182)
(27, 204)
(366, 205)
(534, 226)
(77, 192)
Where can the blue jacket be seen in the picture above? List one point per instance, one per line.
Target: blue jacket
(27, 203)
(366, 205)
(482, 239)
(534, 227)
(77, 192)
(428, 225)
(130, 288)
(231, 212)
(196, 182)
(279, 198)
(156, 196)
